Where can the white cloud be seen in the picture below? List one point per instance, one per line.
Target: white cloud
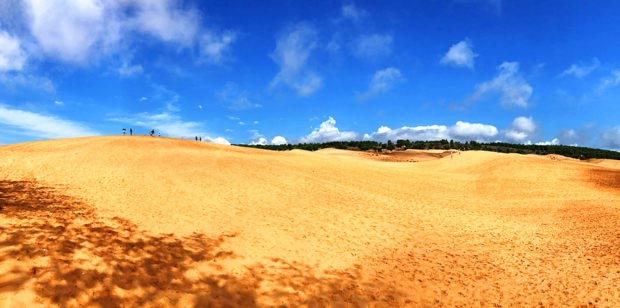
(373, 46)
(71, 30)
(12, 57)
(554, 141)
(293, 50)
(580, 70)
(81, 31)
(382, 81)
(328, 132)
(610, 81)
(42, 126)
(59, 103)
(521, 130)
(509, 84)
(166, 21)
(460, 54)
(169, 124)
(235, 98)
(260, 141)
(431, 132)
(352, 12)
(462, 131)
(465, 131)
(127, 70)
(278, 140)
(214, 46)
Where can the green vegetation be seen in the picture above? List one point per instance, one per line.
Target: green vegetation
(500, 147)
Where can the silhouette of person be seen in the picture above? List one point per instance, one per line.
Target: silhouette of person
(200, 138)
(124, 131)
(152, 132)
(130, 131)
(196, 138)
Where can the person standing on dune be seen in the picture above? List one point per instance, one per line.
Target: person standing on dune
(130, 131)
(124, 130)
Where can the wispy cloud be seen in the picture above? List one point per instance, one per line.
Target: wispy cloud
(328, 132)
(612, 80)
(382, 81)
(352, 12)
(127, 70)
(42, 126)
(611, 138)
(83, 31)
(12, 56)
(509, 84)
(215, 45)
(460, 54)
(372, 46)
(235, 98)
(15, 80)
(294, 47)
(580, 70)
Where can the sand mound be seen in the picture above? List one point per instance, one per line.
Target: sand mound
(156, 221)
(392, 156)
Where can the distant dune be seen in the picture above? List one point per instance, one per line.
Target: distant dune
(135, 221)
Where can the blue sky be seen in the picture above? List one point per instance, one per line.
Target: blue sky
(296, 71)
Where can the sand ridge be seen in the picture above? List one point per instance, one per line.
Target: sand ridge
(243, 226)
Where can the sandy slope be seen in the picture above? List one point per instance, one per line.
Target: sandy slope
(156, 221)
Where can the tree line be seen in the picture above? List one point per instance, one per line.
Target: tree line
(402, 144)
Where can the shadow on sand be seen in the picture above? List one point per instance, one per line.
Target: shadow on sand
(71, 257)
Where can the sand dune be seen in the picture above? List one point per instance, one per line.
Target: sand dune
(158, 222)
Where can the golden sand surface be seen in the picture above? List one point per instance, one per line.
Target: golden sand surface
(148, 221)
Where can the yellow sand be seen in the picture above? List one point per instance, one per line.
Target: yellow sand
(164, 222)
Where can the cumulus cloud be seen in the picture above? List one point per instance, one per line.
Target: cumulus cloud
(462, 131)
(521, 130)
(372, 46)
(580, 70)
(430, 132)
(327, 132)
(382, 81)
(12, 56)
(460, 54)
(278, 140)
(554, 141)
(42, 126)
(260, 141)
(169, 124)
(352, 12)
(509, 84)
(214, 46)
(611, 138)
(465, 131)
(294, 47)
